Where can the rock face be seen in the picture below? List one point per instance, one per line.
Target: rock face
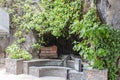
(102, 7)
(109, 11)
(113, 13)
(28, 44)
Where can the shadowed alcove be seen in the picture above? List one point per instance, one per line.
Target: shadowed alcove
(64, 46)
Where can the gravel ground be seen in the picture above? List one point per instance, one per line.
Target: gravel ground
(8, 76)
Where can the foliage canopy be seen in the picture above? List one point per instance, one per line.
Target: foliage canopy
(97, 43)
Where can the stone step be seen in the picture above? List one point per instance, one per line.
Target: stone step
(55, 71)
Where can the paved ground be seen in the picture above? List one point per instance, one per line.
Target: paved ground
(7, 76)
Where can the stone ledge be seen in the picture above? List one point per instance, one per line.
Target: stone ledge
(50, 62)
(40, 62)
(68, 73)
(32, 67)
(49, 71)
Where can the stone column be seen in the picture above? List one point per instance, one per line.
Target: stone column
(78, 65)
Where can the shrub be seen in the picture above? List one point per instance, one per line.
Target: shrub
(14, 52)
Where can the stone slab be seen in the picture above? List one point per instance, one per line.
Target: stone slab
(55, 71)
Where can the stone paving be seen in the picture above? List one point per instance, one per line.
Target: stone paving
(7, 76)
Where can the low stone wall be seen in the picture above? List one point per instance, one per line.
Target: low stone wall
(52, 62)
(94, 74)
(14, 66)
(40, 62)
(68, 73)
(54, 67)
(56, 71)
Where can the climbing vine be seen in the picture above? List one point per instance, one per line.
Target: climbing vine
(100, 44)
(97, 43)
(16, 12)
